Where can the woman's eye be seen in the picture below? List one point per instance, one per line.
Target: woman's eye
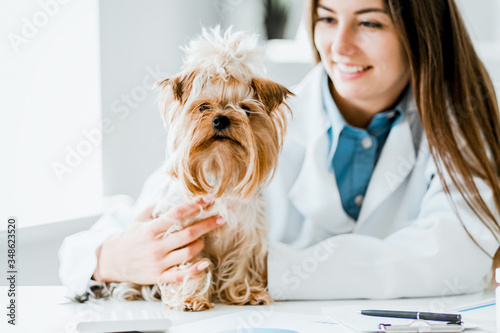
(247, 109)
(328, 20)
(371, 24)
(203, 107)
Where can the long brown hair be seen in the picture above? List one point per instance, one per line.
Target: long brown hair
(455, 99)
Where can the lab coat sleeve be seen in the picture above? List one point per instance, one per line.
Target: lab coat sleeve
(78, 252)
(432, 256)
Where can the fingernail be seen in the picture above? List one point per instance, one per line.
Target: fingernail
(208, 199)
(203, 265)
(220, 221)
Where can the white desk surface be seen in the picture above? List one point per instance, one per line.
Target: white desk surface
(47, 310)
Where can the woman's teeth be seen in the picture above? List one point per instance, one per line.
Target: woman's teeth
(352, 69)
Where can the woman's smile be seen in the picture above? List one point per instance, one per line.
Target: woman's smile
(350, 72)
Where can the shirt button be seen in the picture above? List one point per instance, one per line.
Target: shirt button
(358, 200)
(366, 143)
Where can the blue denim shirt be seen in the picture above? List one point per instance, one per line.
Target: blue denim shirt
(353, 158)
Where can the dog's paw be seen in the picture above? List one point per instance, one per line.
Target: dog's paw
(191, 304)
(259, 298)
(195, 304)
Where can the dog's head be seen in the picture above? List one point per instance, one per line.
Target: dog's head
(225, 122)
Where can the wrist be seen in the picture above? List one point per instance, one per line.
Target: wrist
(97, 273)
(102, 273)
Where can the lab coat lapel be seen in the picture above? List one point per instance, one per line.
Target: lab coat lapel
(315, 193)
(393, 167)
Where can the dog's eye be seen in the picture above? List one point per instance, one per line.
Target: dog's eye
(247, 109)
(203, 107)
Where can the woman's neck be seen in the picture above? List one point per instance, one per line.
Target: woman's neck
(359, 114)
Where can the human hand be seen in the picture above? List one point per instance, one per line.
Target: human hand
(138, 255)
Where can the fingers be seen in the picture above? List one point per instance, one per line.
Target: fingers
(181, 212)
(174, 275)
(184, 254)
(146, 214)
(190, 234)
(160, 225)
(186, 210)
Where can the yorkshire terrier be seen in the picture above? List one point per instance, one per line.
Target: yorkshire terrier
(225, 129)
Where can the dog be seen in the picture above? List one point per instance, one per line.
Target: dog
(225, 124)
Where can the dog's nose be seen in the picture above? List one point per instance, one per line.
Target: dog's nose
(220, 122)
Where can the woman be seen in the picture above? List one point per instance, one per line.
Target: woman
(388, 181)
(402, 75)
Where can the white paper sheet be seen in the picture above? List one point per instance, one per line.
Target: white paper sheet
(252, 320)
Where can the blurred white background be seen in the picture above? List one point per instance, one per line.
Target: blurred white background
(80, 126)
(50, 90)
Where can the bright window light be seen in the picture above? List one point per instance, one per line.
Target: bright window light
(51, 166)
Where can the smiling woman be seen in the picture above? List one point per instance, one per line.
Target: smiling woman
(408, 115)
(363, 55)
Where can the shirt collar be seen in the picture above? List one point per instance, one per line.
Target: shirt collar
(336, 119)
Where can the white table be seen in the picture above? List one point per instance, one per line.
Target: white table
(46, 309)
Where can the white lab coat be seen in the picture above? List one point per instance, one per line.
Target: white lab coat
(407, 240)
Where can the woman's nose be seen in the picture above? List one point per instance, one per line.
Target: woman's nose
(345, 41)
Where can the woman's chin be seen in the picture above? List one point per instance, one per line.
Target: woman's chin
(352, 93)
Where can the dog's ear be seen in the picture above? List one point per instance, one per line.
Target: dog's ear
(175, 88)
(170, 87)
(179, 86)
(270, 93)
(166, 95)
(162, 84)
